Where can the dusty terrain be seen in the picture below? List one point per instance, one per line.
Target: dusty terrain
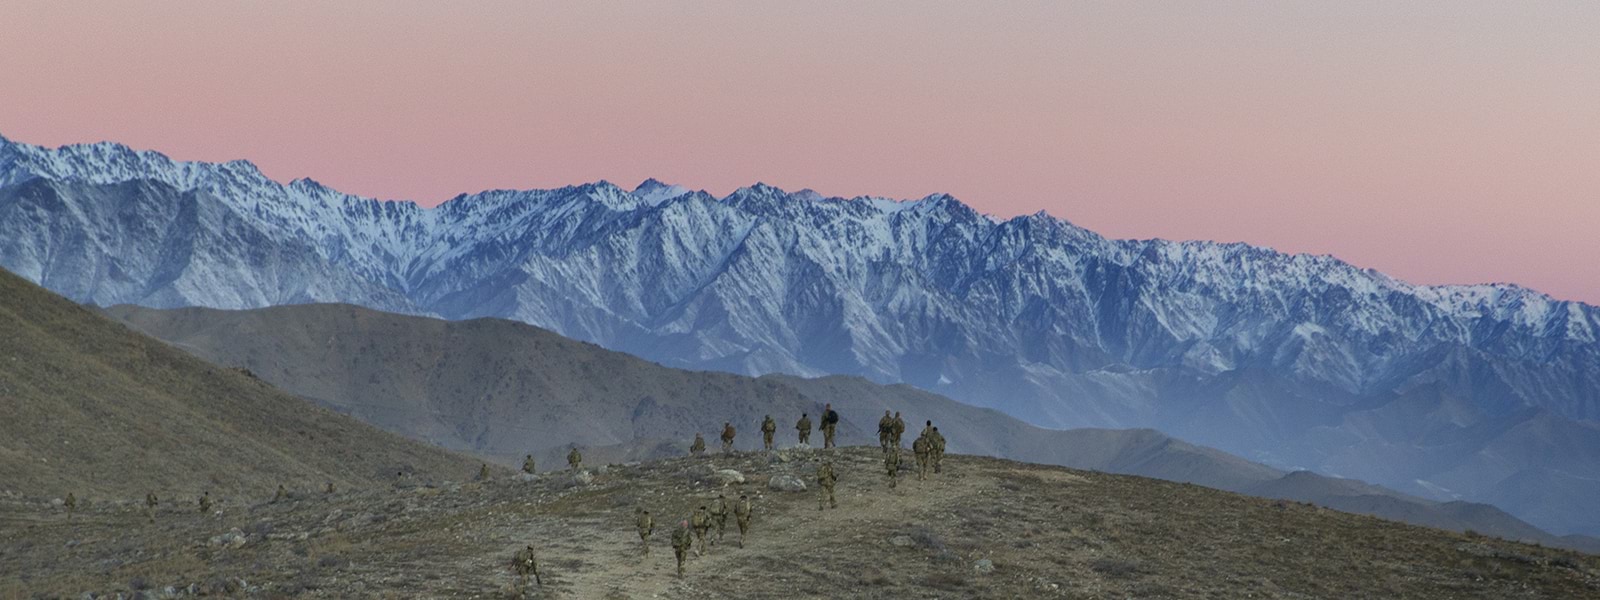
(500, 389)
(92, 408)
(1047, 532)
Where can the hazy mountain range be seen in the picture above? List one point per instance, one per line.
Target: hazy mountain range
(503, 389)
(1487, 392)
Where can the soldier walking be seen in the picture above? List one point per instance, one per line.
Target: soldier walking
(742, 511)
(699, 446)
(574, 458)
(701, 520)
(150, 505)
(205, 503)
(282, 493)
(528, 464)
(885, 431)
(681, 541)
(526, 565)
(72, 504)
(483, 472)
(727, 437)
(830, 422)
(897, 430)
(646, 526)
(825, 482)
(938, 449)
(719, 514)
(804, 427)
(769, 427)
(891, 463)
(923, 449)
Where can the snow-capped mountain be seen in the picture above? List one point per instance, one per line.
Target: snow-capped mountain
(1297, 360)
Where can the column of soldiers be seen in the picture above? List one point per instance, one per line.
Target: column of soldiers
(694, 533)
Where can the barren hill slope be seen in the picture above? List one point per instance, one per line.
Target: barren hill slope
(984, 528)
(502, 388)
(90, 407)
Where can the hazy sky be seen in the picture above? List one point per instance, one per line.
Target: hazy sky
(1443, 142)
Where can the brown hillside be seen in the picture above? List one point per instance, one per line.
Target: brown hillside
(502, 389)
(90, 407)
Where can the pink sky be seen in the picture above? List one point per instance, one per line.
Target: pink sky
(1447, 142)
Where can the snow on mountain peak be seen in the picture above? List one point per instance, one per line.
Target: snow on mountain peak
(655, 192)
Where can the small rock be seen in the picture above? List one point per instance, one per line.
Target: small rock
(727, 476)
(583, 477)
(983, 566)
(903, 541)
(234, 538)
(786, 483)
(525, 477)
(801, 447)
(602, 469)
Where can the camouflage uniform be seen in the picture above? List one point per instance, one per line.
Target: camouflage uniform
(825, 482)
(525, 564)
(768, 428)
(830, 422)
(528, 464)
(205, 503)
(719, 514)
(574, 458)
(727, 437)
(646, 526)
(682, 540)
(72, 504)
(938, 449)
(483, 472)
(897, 430)
(329, 488)
(804, 427)
(699, 445)
(885, 431)
(891, 463)
(923, 449)
(282, 493)
(701, 521)
(742, 511)
(150, 506)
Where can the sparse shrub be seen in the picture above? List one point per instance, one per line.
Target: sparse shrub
(927, 539)
(875, 578)
(1116, 568)
(259, 528)
(332, 561)
(945, 581)
(1091, 519)
(138, 584)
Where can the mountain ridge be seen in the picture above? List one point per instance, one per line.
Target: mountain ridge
(502, 388)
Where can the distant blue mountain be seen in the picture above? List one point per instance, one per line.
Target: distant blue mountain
(1487, 393)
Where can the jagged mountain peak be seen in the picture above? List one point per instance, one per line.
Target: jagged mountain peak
(655, 192)
(1232, 345)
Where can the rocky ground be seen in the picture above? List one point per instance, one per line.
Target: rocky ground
(985, 528)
